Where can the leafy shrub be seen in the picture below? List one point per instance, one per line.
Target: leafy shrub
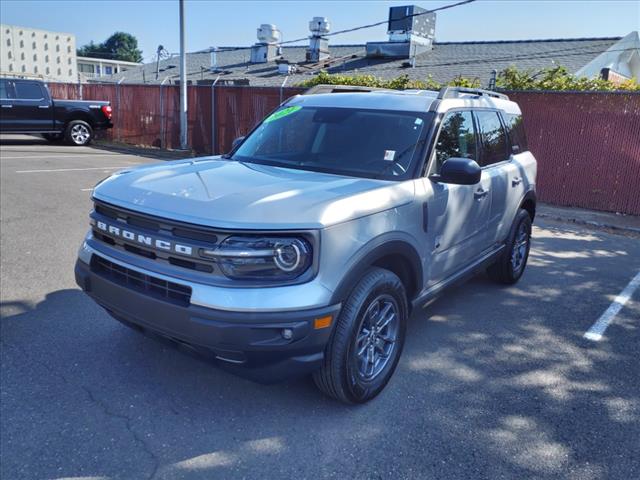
(553, 78)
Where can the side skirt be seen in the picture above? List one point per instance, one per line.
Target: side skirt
(459, 277)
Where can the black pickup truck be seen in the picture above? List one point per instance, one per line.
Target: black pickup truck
(27, 107)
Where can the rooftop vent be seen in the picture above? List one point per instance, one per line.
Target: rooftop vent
(266, 49)
(318, 43)
(411, 32)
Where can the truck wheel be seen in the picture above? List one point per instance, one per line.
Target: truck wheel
(510, 265)
(367, 340)
(53, 137)
(78, 132)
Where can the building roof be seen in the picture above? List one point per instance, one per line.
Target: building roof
(444, 62)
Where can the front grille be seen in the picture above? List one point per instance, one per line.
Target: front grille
(147, 284)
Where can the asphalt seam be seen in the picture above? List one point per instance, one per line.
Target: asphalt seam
(94, 400)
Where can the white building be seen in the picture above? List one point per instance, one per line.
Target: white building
(623, 58)
(39, 53)
(92, 68)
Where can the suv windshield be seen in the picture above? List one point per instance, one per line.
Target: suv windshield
(344, 141)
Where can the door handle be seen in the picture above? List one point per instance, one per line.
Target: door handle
(516, 181)
(43, 106)
(480, 194)
(7, 106)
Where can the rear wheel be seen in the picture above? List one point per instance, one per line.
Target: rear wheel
(367, 341)
(79, 133)
(53, 137)
(510, 265)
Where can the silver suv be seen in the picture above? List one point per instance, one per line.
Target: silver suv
(305, 249)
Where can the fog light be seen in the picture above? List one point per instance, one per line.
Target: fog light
(287, 333)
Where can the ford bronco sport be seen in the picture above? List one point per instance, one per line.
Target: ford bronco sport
(305, 249)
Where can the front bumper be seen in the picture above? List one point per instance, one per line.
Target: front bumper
(250, 344)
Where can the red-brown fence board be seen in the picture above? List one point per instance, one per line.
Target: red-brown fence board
(587, 144)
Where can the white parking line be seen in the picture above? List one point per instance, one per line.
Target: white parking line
(597, 330)
(74, 169)
(86, 189)
(70, 155)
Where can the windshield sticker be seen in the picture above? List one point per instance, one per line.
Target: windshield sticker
(389, 155)
(418, 121)
(282, 113)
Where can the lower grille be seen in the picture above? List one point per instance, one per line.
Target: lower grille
(147, 284)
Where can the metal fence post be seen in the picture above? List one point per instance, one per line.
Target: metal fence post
(213, 116)
(118, 137)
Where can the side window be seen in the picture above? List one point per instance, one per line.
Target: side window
(457, 138)
(516, 133)
(6, 91)
(28, 91)
(493, 138)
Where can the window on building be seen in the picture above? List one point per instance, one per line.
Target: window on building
(11, 67)
(70, 72)
(9, 54)
(8, 42)
(35, 69)
(20, 33)
(21, 43)
(47, 71)
(58, 60)
(35, 57)
(68, 49)
(98, 70)
(493, 137)
(59, 71)
(33, 45)
(24, 68)
(46, 36)
(108, 70)
(46, 46)
(516, 133)
(46, 58)
(22, 56)
(85, 68)
(69, 61)
(57, 48)
(457, 138)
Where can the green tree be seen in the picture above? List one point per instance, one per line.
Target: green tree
(119, 46)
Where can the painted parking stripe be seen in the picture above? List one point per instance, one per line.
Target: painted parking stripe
(597, 330)
(70, 155)
(74, 169)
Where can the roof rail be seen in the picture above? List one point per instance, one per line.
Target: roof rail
(454, 92)
(342, 89)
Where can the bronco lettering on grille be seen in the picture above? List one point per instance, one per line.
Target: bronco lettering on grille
(144, 239)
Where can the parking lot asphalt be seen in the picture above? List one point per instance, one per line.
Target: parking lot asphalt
(494, 382)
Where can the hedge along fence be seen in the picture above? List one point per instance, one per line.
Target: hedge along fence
(586, 143)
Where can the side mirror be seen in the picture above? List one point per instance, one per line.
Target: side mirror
(236, 143)
(459, 171)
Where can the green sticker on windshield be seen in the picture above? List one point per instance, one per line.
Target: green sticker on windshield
(282, 113)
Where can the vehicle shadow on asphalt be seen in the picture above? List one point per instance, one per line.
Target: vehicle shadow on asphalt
(494, 381)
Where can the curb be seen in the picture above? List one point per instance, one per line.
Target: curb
(590, 223)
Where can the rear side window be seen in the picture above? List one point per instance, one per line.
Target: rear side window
(516, 133)
(457, 138)
(28, 91)
(5, 89)
(493, 138)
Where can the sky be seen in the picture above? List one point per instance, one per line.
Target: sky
(234, 23)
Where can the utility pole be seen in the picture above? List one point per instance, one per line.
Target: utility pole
(183, 83)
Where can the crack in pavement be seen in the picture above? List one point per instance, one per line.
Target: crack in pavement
(96, 401)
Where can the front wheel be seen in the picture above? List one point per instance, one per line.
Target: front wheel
(79, 133)
(510, 265)
(365, 347)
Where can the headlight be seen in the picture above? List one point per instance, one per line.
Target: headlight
(259, 258)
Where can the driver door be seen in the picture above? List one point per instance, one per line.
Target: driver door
(458, 215)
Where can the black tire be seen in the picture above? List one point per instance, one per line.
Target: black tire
(340, 376)
(507, 269)
(79, 133)
(53, 137)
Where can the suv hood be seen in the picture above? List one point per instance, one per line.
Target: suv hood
(230, 194)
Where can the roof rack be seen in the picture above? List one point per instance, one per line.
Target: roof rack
(342, 89)
(455, 92)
